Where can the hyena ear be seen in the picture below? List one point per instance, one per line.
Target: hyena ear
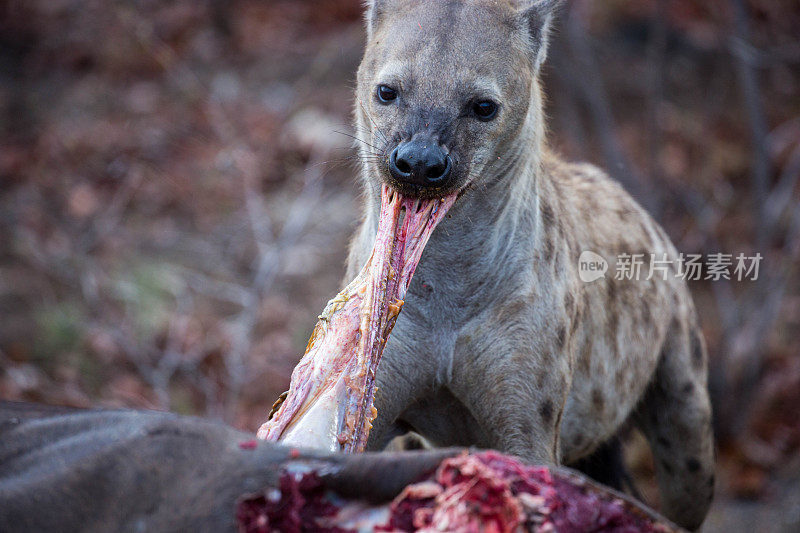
(537, 19)
(376, 9)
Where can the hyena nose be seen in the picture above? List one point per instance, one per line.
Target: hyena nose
(420, 162)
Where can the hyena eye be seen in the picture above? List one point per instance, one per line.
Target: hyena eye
(386, 94)
(484, 109)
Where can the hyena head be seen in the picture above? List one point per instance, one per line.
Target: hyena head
(447, 90)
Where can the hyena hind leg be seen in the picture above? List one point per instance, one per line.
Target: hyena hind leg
(675, 416)
(606, 465)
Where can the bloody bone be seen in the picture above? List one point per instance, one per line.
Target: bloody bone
(329, 404)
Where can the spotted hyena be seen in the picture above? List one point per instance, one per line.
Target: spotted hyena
(501, 344)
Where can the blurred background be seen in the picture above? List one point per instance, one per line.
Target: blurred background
(177, 190)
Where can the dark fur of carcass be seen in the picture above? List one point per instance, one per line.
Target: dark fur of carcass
(119, 470)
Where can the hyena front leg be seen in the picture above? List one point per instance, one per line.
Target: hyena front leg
(675, 416)
(401, 380)
(515, 391)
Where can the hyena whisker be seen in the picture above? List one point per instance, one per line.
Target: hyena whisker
(363, 108)
(355, 138)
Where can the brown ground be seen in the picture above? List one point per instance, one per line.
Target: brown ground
(175, 202)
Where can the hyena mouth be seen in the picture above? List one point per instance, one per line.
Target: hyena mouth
(329, 404)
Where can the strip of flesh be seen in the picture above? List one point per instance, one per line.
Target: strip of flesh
(329, 404)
